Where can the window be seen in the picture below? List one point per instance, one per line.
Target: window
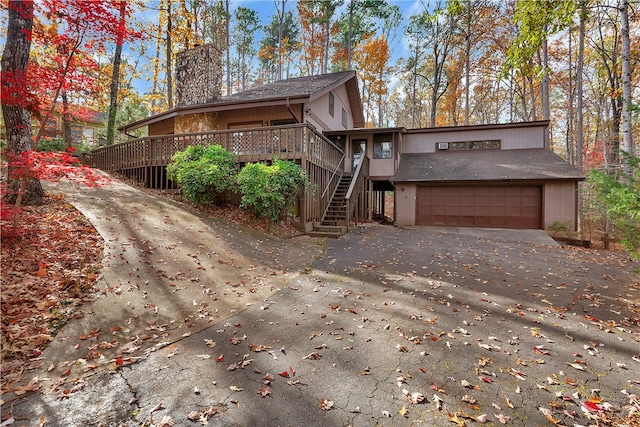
(490, 144)
(493, 144)
(282, 122)
(345, 118)
(383, 146)
(359, 147)
(331, 103)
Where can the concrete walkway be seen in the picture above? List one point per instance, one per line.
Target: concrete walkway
(213, 323)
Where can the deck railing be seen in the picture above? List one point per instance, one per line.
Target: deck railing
(357, 194)
(144, 158)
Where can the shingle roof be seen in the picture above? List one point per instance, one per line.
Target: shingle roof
(485, 165)
(289, 88)
(294, 90)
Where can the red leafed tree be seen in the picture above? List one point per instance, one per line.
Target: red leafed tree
(49, 51)
(65, 35)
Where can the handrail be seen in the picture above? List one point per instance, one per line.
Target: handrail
(362, 171)
(333, 175)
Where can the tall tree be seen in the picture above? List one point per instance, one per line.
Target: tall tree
(627, 101)
(247, 24)
(278, 46)
(439, 31)
(16, 96)
(169, 56)
(606, 44)
(536, 22)
(372, 59)
(362, 19)
(416, 32)
(115, 79)
(317, 29)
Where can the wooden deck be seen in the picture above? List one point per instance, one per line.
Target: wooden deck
(145, 159)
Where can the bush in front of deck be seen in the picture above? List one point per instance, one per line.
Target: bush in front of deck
(204, 174)
(269, 191)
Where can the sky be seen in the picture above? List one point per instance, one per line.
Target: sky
(267, 8)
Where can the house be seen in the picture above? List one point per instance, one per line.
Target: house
(85, 125)
(480, 176)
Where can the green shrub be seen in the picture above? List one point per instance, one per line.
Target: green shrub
(53, 144)
(621, 201)
(269, 191)
(204, 174)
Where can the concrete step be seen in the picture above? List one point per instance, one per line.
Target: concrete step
(330, 231)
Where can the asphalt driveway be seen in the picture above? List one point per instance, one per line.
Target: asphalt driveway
(387, 327)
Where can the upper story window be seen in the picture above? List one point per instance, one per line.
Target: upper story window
(331, 103)
(345, 118)
(490, 144)
(383, 146)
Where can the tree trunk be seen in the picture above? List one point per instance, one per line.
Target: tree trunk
(115, 76)
(169, 49)
(580, 114)
(280, 24)
(570, 113)
(546, 110)
(66, 120)
(349, 47)
(13, 80)
(627, 136)
(467, 65)
(227, 18)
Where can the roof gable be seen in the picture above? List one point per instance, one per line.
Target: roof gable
(283, 92)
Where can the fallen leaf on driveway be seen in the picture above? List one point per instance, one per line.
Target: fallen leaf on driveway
(325, 404)
(264, 391)
(312, 356)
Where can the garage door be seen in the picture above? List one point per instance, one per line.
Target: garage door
(487, 206)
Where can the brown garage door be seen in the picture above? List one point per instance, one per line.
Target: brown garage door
(487, 206)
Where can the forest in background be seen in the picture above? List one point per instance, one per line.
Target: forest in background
(456, 62)
(419, 64)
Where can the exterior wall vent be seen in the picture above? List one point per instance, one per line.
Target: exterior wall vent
(443, 145)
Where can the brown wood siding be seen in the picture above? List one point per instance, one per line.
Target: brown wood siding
(480, 206)
(263, 115)
(165, 127)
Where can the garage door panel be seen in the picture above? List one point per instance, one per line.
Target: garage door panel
(483, 206)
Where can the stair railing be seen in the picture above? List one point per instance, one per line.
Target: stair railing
(335, 177)
(357, 187)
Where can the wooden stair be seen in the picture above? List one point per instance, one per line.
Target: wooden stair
(334, 220)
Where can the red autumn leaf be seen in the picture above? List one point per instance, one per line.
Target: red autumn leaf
(591, 406)
(541, 350)
(220, 358)
(284, 374)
